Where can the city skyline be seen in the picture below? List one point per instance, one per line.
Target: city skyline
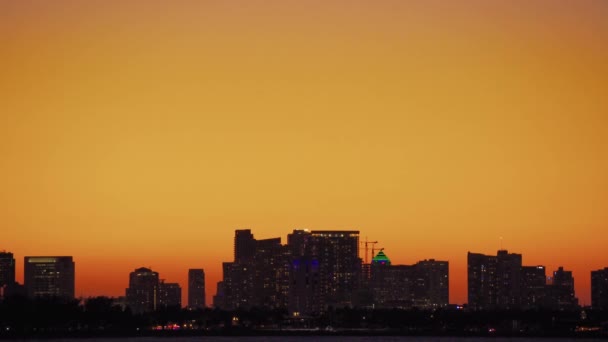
(526, 287)
(148, 132)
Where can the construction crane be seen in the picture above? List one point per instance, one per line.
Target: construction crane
(366, 242)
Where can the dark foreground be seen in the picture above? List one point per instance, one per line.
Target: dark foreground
(98, 317)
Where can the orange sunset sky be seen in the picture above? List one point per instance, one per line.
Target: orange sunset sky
(143, 133)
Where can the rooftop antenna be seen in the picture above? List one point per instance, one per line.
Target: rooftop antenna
(501, 243)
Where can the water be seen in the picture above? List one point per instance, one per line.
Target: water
(321, 338)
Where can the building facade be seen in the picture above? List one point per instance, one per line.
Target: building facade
(494, 282)
(7, 269)
(533, 287)
(49, 276)
(258, 276)
(599, 289)
(142, 293)
(196, 288)
(560, 293)
(169, 295)
(424, 285)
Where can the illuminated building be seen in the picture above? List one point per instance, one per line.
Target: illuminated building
(560, 294)
(169, 295)
(49, 276)
(339, 266)
(599, 289)
(481, 277)
(196, 288)
(259, 275)
(432, 283)
(533, 287)
(494, 282)
(142, 293)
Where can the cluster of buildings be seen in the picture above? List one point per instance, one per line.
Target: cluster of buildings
(319, 269)
(147, 292)
(54, 276)
(500, 281)
(47, 276)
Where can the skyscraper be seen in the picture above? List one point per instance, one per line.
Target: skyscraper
(433, 275)
(7, 269)
(258, 276)
(599, 289)
(560, 294)
(339, 265)
(142, 293)
(481, 281)
(196, 288)
(494, 282)
(533, 286)
(49, 276)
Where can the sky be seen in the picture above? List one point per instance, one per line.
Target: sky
(143, 133)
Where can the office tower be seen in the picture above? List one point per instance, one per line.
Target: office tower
(271, 273)
(560, 294)
(237, 286)
(49, 276)
(599, 289)
(481, 277)
(196, 288)
(494, 282)
(533, 286)
(339, 266)
(142, 293)
(7, 269)
(169, 295)
(433, 283)
(508, 280)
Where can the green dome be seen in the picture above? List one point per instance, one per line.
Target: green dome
(381, 259)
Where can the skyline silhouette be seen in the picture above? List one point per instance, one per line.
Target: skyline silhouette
(148, 132)
(526, 286)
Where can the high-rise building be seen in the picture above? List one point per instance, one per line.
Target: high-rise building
(508, 280)
(244, 245)
(481, 276)
(196, 288)
(533, 286)
(560, 294)
(142, 293)
(7, 269)
(433, 283)
(303, 274)
(49, 276)
(259, 275)
(339, 266)
(424, 285)
(599, 289)
(494, 282)
(169, 295)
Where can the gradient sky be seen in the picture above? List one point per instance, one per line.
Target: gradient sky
(142, 133)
